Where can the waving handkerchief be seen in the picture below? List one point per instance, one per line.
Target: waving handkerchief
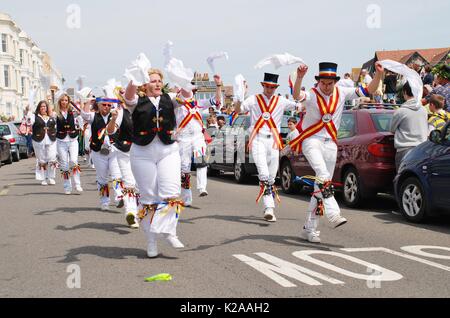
(110, 86)
(411, 76)
(239, 88)
(215, 56)
(138, 71)
(84, 93)
(167, 52)
(279, 60)
(179, 75)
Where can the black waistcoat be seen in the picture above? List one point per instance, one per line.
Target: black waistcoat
(40, 128)
(146, 117)
(66, 126)
(97, 126)
(123, 138)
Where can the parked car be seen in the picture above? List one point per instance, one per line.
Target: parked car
(5, 151)
(365, 160)
(228, 151)
(18, 142)
(422, 183)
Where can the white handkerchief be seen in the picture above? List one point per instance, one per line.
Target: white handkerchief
(167, 52)
(214, 56)
(84, 93)
(110, 86)
(179, 75)
(411, 76)
(279, 60)
(239, 88)
(138, 71)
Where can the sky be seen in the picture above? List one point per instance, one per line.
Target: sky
(112, 33)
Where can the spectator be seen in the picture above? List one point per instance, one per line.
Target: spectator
(292, 124)
(429, 76)
(212, 122)
(26, 130)
(221, 122)
(365, 77)
(346, 81)
(409, 125)
(438, 117)
(442, 73)
(390, 82)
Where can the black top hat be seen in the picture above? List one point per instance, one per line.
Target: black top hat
(270, 79)
(328, 70)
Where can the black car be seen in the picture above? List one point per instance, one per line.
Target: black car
(228, 151)
(5, 151)
(422, 183)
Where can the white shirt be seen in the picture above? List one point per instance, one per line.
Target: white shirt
(313, 115)
(251, 105)
(346, 82)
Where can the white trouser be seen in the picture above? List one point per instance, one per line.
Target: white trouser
(193, 146)
(321, 155)
(68, 160)
(157, 170)
(105, 166)
(266, 159)
(129, 183)
(45, 156)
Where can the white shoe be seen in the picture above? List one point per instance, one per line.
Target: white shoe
(134, 226)
(312, 237)
(79, 189)
(174, 241)
(51, 181)
(338, 221)
(269, 216)
(68, 192)
(44, 183)
(105, 207)
(152, 249)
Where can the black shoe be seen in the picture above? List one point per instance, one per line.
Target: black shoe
(121, 204)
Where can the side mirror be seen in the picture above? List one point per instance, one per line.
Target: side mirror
(435, 136)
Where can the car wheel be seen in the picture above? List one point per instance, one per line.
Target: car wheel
(16, 155)
(24, 155)
(352, 188)
(10, 159)
(412, 200)
(287, 178)
(240, 175)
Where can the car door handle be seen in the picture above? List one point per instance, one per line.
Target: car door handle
(434, 173)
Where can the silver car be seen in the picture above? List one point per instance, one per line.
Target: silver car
(18, 142)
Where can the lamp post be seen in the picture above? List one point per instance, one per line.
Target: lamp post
(53, 89)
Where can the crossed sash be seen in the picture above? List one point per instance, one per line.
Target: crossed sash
(327, 112)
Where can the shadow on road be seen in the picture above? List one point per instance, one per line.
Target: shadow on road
(252, 220)
(108, 252)
(74, 210)
(278, 239)
(436, 224)
(107, 227)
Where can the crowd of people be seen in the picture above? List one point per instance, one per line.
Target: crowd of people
(143, 138)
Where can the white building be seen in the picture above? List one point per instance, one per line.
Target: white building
(23, 69)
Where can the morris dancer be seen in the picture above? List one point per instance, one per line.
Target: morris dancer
(67, 144)
(191, 140)
(155, 160)
(266, 111)
(120, 128)
(103, 155)
(318, 138)
(44, 142)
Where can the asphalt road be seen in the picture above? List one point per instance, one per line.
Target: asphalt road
(47, 239)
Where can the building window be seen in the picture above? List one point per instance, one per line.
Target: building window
(6, 75)
(4, 43)
(24, 89)
(8, 109)
(21, 56)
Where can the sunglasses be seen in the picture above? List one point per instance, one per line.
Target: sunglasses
(107, 105)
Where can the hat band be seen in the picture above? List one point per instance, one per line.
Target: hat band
(107, 100)
(328, 73)
(271, 83)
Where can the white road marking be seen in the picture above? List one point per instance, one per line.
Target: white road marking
(407, 256)
(417, 249)
(288, 269)
(384, 274)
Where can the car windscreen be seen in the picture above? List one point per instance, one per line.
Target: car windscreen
(382, 121)
(4, 130)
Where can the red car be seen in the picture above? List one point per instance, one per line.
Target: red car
(365, 161)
